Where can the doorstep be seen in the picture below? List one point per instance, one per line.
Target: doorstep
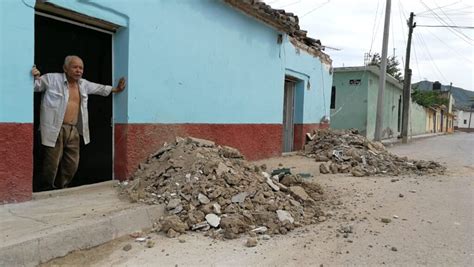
(56, 223)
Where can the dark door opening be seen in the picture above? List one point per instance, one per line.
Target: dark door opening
(288, 115)
(54, 40)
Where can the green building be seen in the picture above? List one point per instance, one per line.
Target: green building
(354, 101)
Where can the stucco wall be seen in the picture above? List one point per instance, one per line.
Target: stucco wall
(188, 64)
(392, 95)
(418, 119)
(351, 101)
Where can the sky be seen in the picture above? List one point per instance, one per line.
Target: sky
(356, 28)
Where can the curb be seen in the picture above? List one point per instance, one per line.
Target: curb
(60, 242)
(411, 139)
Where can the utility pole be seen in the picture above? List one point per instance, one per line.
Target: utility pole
(383, 74)
(407, 83)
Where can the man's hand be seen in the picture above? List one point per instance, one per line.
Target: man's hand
(120, 86)
(35, 72)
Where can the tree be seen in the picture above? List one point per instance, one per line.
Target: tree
(428, 98)
(392, 65)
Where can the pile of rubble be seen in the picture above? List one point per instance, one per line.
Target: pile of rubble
(211, 188)
(345, 151)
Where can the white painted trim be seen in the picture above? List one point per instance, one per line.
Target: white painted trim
(72, 22)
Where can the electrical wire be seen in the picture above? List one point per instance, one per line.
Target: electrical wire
(316, 8)
(459, 34)
(375, 27)
(432, 61)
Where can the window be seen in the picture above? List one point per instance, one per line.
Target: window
(465, 121)
(333, 97)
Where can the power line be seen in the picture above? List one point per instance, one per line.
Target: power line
(446, 26)
(432, 61)
(442, 21)
(375, 27)
(316, 8)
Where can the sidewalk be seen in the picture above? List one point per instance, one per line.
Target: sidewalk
(394, 141)
(58, 222)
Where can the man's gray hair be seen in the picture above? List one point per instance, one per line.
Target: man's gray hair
(68, 59)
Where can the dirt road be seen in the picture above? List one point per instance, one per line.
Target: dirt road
(431, 222)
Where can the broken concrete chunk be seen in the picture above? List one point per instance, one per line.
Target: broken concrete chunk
(200, 225)
(201, 142)
(272, 185)
(213, 220)
(240, 197)
(221, 168)
(284, 216)
(323, 169)
(173, 203)
(203, 199)
(260, 230)
(299, 193)
(217, 208)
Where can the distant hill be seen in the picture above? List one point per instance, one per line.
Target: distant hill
(463, 98)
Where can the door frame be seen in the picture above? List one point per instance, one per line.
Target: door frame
(80, 24)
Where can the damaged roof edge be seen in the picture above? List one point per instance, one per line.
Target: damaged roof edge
(284, 22)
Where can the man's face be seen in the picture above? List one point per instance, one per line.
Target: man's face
(74, 69)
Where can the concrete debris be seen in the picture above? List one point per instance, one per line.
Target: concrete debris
(213, 189)
(260, 230)
(127, 247)
(203, 199)
(266, 237)
(349, 152)
(284, 216)
(213, 220)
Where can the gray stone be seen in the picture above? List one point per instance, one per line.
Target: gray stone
(213, 220)
(272, 185)
(266, 237)
(323, 169)
(221, 168)
(251, 242)
(173, 203)
(284, 216)
(299, 193)
(217, 208)
(177, 210)
(240, 197)
(385, 220)
(201, 142)
(203, 199)
(200, 225)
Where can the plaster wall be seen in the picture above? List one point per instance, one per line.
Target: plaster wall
(392, 95)
(351, 101)
(418, 119)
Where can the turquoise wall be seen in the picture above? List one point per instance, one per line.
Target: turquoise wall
(392, 95)
(186, 62)
(16, 60)
(417, 121)
(351, 101)
(356, 105)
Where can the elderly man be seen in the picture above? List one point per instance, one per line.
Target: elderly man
(64, 117)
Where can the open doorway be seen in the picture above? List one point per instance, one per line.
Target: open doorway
(55, 38)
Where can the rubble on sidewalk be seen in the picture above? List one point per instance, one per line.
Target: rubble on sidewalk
(345, 151)
(211, 188)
